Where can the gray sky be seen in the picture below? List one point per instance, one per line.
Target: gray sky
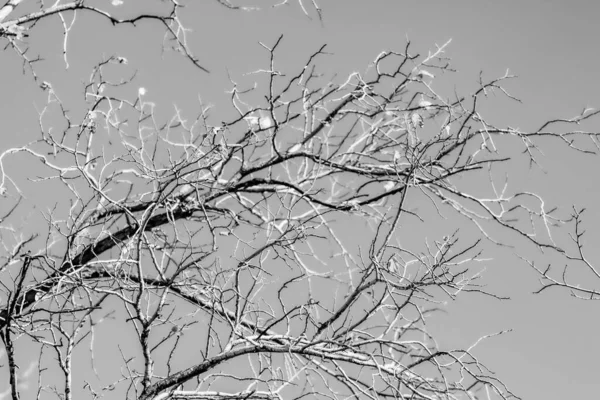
(550, 45)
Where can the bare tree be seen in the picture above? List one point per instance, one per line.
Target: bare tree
(274, 255)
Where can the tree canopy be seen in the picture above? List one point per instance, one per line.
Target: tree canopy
(292, 246)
